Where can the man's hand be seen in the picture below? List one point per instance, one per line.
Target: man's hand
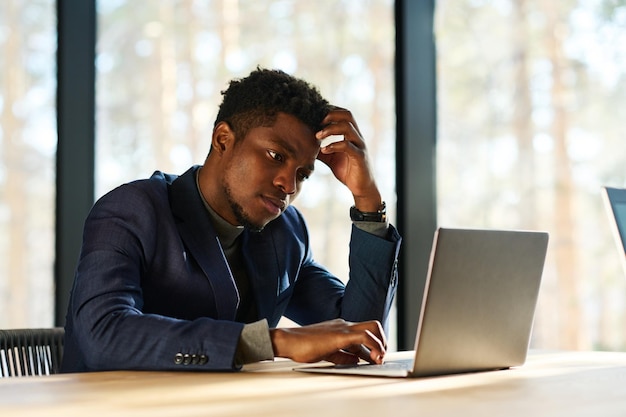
(348, 159)
(336, 341)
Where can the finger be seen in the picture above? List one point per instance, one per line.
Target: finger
(374, 327)
(373, 349)
(379, 332)
(376, 340)
(341, 146)
(345, 129)
(365, 353)
(330, 139)
(339, 114)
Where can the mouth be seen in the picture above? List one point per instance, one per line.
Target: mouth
(274, 205)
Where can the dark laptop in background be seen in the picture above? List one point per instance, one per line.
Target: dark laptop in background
(615, 203)
(478, 305)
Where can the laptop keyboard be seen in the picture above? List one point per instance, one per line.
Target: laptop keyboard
(399, 364)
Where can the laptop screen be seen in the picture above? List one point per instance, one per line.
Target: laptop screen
(620, 219)
(615, 199)
(616, 203)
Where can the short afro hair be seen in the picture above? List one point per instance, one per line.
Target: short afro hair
(256, 100)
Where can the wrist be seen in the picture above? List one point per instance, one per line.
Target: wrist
(369, 204)
(277, 335)
(379, 215)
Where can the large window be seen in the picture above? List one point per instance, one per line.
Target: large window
(530, 128)
(161, 67)
(27, 156)
(529, 99)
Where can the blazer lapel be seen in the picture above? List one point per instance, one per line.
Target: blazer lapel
(198, 235)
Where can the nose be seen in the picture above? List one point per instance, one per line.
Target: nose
(286, 181)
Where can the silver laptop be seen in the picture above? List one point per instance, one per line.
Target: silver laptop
(478, 305)
(615, 203)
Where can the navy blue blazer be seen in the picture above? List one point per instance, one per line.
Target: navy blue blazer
(153, 289)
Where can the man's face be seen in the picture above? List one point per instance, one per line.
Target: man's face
(265, 170)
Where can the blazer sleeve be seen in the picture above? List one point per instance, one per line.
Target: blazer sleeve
(106, 326)
(369, 292)
(373, 279)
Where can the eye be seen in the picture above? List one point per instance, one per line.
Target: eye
(303, 176)
(275, 156)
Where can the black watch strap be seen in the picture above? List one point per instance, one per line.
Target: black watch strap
(369, 216)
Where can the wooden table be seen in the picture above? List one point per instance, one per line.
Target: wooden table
(549, 384)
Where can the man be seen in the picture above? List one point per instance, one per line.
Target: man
(193, 272)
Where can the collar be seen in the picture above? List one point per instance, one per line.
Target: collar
(226, 232)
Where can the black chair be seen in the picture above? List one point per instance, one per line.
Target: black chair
(27, 352)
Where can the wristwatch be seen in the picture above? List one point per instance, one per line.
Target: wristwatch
(369, 216)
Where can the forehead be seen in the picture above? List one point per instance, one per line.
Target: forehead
(291, 135)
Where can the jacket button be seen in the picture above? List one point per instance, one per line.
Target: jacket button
(194, 359)
(203, 359)
(186, 359)
(178, 359)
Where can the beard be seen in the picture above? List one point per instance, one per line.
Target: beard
(240, 214)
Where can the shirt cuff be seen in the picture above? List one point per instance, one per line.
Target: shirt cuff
(376, 228)
(254, 344)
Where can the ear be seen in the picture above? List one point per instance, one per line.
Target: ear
(223, 137)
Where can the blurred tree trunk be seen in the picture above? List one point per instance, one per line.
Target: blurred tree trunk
(194, 141)
(229, 29)
(522, 116)
(14, 302)
(167, 103)
(563, 244)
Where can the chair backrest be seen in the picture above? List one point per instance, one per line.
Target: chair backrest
(26, 352)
